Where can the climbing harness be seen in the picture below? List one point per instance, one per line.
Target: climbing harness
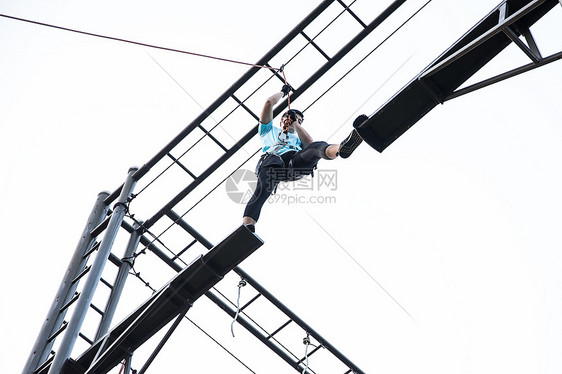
(241, 284)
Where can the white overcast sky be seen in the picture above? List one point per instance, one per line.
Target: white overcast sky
(457, 223)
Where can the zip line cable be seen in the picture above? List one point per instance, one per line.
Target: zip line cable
(138, 43)
(275, 70)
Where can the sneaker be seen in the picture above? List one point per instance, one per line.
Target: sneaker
(359, 120)
(349, 144)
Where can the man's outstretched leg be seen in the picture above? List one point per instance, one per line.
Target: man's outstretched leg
(346, 148)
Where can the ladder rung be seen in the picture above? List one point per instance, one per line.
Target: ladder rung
(316, 46)
(109, 285)
(99, 228)
(70, 302)
(182, 166)
(44, 364)
(79, 276)
(97, 309)
(57, 333)
(279, 329)
(86, 338)
(115, 260)
(92, 250)
(352, 13)
(251, 301)
(241, 103)
(212, 137)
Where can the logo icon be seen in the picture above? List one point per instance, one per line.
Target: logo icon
(241, 185)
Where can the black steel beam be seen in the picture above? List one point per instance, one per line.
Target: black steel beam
(438, 81)
(187, 227)
(504, 76)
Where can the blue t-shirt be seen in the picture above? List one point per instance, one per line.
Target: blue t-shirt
(273, 143)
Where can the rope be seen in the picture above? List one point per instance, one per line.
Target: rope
(257, 325)
(241, 284)
(306, 342)
(137, 43)
(287, 83)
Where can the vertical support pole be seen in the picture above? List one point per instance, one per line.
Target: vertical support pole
(96, 270)
(119, 284)
(66, 290)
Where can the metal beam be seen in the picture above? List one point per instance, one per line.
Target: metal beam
(483, 38)
(504, 76)
(439, 81)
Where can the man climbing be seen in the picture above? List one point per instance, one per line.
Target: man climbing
(289, 153)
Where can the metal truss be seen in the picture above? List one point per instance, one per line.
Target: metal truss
(200, 140)
(440, 81)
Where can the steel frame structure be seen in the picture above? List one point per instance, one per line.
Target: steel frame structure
(100, 233)
(44, 360)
